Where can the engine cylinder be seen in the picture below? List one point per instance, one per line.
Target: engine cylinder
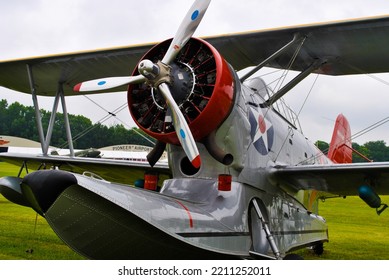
(201, 84)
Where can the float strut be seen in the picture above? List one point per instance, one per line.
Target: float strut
(265, 227)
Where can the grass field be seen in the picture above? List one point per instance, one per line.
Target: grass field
(26, 235)
(356, 231)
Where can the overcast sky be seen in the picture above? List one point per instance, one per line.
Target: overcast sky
(41, 27)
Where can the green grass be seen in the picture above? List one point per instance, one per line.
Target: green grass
(26, 235)
(356, 232)
(8, 169)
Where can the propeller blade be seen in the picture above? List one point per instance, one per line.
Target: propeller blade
(108, 83)
(182, 129)
(187, 28)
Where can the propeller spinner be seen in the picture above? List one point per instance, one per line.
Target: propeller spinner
(158, 76)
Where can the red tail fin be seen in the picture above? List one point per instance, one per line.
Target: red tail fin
(340, 147)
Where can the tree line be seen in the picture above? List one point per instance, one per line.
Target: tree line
(19, 120)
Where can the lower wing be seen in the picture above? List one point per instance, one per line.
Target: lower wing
(120, 171)
(340, 179)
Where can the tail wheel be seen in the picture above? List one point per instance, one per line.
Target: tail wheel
(318, 249)
(201, 84)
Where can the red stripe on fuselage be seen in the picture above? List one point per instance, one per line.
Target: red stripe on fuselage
(188, 212)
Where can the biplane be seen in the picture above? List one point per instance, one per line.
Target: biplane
(242, 181)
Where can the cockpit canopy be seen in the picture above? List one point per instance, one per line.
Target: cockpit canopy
(258, 85)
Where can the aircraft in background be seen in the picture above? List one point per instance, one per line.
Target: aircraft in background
(242, 181)
(128, 152)
(13, 144)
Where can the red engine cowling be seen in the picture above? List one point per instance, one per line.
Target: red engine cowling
(202, 86)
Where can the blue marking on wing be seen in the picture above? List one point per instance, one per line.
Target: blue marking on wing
(101, 83)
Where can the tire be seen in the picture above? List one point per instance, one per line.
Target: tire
(318, 249)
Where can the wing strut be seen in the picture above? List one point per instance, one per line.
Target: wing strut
(268, 233)
(296, 39)
(66, 119)
(314, 66)
(45, 140)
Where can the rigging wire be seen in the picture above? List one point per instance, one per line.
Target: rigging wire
(104, 119)
(309, 93)
(280, 81)
(279, 85)
(92, 127)
(365, 130)
(298, 114)
(98, 105)
(370, 75)
(369, 128)
(132, 128)
(352, 137)
(114, 114)
(287, 70)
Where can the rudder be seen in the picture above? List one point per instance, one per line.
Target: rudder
(340, 150)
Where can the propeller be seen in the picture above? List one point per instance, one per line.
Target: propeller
(182, 129)
(158, 76)
(107, 83)
(186, 29)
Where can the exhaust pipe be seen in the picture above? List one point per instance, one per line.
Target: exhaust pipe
(156, 153)
(215, 151)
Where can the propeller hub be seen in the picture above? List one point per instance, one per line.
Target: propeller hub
(183, 81)
(155, 73)
(148, 69)
(179, 76)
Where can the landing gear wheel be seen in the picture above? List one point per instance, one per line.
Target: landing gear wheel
(293, 257)
(318, 249)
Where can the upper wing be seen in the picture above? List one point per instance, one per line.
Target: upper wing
(341, 179)
(70, 69)
(350, 47)
(120, 171)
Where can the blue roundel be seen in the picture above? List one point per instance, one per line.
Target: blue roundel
(101, 83)
(195, 14)
(182, 133)
(262, 141)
